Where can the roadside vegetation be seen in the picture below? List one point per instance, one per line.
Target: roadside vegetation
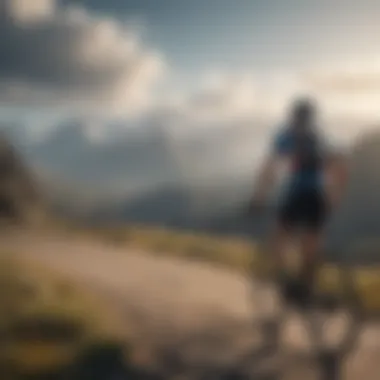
(51, 328)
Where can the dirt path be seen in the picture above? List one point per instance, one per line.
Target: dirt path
(204, 310)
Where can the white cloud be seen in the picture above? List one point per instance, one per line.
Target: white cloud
(231, 93)
(68, 57)
(217, 100)
(346, 89)
(52, 55)
(346, 78)
(24, 11)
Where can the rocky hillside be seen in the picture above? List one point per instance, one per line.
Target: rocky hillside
(19, 198)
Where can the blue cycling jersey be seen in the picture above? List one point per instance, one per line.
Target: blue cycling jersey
(306, 153)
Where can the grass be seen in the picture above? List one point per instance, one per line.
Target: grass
(234, 253)
(47, 323)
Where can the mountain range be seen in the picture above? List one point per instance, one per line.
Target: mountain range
(157, 189)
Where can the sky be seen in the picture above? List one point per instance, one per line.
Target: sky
(193, 67)
(182, 45)
(252, 33)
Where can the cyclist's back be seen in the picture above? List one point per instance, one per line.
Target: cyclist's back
(304, 148)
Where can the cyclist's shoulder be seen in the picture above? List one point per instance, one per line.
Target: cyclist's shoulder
(281, 130)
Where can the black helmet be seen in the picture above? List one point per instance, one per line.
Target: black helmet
(303, 108)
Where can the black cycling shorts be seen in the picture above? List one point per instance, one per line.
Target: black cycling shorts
(306, 209)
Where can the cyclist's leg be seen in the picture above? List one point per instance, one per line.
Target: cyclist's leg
(311, 241)
(291, 287)
(284, 230)
(310, 244)
(279, 242)
(302, 209)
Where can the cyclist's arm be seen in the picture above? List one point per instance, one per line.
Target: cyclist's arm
(337, 171)
(265, 177)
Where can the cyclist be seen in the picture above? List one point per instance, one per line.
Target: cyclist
(316, 181)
